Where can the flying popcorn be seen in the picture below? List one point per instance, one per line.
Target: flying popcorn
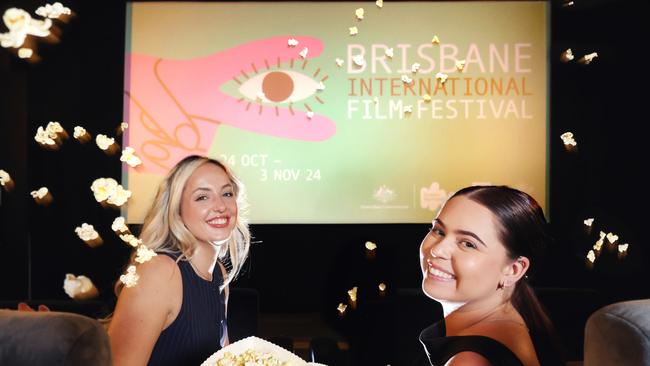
(103, 188)
(352, 294)
(589, 222)
(304, 52)
(310, 114)
(292, 42)
(25, 52)
(415, 67)
(42, 196)
(5, 179)
(44, 138)
(119, 197)
(20, 25)
(460, 65)
(79, 287)
(435, 40)
(320, 86)
(81, 134)
(568, 140)
(119, 225)
(131, 277)
(389, 52)
(406, 79)
(382, 287)
(353, 31)
(408, 109)
(442, 77)
(612, 238)
(599, 243)
(131, 240)
(622, 248)
(144, 254)
(567, 55)
(88, 234)
(359, 13)
(129, 157)
(104, 142)
(339, 62)
(591, 256)
(586, 59)
(123, 126)
(53, 11)
(379, 3)
(341, 308)
(358, 60)
(426, 98)
(370, 245)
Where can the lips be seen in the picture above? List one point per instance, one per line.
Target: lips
(437, 273)
(219, 222)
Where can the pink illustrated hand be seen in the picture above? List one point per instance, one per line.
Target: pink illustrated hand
(174, 107)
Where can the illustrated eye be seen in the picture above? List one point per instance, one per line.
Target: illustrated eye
(281, 86)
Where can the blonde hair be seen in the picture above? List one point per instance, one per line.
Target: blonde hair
(163, 229)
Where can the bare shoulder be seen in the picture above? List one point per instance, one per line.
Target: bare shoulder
(155, 278)
(511, 334)
(468, 359)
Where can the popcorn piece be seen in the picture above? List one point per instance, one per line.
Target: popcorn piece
(21, 24)
(119, 197)
(144, 254)
(41, 193)
(567, 4)
(426, 98)
(435, 40)
(406, 79)
(129, 157)
(442, 77)
(124, 126)
(567, 56)
(80, 133)
(54, 129)
(591, 256)
(599, 243)
(304, 52)
(320, 86)
(131, 277)
(352, 293)
(379, 3)
(568, 140)
(44, 138)
(310, 114)
(89, 235)
(119, 225)
(586, 59)
(415, 67)
(104, 142)
(622, 248)
(358, 60)
(131, 240)
(79, 287)
(612, 238)
(353, 31)
(103, 188)
(292, 42)
(341, 308)
(460, 65)
(359, 13)
(382, 287)
(389, 52)
(589, 222)
(408, 109)
(370, 245)
(339, 62)
(5, 178)
(25, 52)
(53, 11)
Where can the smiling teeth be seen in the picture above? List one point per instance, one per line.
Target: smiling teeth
(438, 273)
(218, 221)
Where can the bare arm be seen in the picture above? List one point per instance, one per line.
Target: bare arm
(143, 311)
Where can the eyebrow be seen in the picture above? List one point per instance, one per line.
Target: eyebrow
(462, 232)
(227, 185)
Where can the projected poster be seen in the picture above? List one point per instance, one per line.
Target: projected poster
(327, 126)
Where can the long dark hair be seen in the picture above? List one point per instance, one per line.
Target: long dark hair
(523, 230)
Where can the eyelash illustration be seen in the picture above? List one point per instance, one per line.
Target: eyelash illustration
(175, 107)
(278, 87)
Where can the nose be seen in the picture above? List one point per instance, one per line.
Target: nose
(219, 205)
(440, 248)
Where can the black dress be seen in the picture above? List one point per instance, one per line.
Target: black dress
(440, 348)
(196, 332)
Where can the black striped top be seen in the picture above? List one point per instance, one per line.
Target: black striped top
(196, 332)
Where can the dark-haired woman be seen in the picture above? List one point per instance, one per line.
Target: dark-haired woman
(475, 261)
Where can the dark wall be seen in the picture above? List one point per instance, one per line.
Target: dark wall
(309, 267)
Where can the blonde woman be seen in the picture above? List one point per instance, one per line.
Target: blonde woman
(176, 314)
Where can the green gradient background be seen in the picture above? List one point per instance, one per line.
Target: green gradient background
(403, 154)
